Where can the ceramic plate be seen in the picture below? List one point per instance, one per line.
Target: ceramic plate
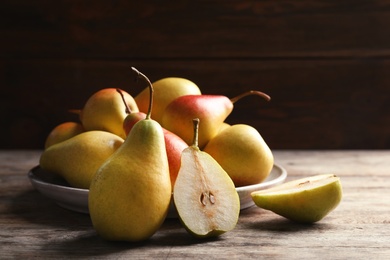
(77, 199)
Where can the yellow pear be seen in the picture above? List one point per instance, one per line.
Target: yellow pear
(242, 153)
(78, 158)
(165, 91)
(105, 110)
(305, 200)
(130, 195)
(204, 195)
(63, 132)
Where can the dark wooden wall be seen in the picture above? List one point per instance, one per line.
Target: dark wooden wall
(324, 63)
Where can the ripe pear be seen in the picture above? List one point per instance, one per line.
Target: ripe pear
(242, 153)
(105, 110)
(204, 195)
(78, 158)
(165, 91)
(130, 195)
(306, 200)
(212, 110)
(63, 132)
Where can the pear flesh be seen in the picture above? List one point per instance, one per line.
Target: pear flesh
(204, 195)
(78, 158)
(306, 200)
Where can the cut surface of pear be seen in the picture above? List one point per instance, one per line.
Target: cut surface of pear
(204, 195)
(305, 200)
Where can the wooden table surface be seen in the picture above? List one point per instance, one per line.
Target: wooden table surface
(33, 226)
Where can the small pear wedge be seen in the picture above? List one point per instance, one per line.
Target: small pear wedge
(204, 195)
(306, 200)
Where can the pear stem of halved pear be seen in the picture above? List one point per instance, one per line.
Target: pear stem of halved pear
(251, 92)
(127, 108)
(141, 75)
(196, 130)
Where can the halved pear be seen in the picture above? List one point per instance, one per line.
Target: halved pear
(305, 200)
(204, 195)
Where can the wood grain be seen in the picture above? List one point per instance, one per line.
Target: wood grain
(324, 64)
(33, 226)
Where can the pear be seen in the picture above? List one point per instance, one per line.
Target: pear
(204, 195)
(306, 200)
(165, 91)
(130, 195)
(63, 132)
(105, 110)
(242, 153)
(212, 110)
(78, 158)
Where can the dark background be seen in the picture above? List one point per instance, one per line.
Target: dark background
(324, 63)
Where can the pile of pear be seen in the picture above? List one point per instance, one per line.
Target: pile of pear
(75, 150)
(169, 143)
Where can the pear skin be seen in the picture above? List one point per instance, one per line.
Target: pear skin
(165, 91)
(78, 158)
(242, 153)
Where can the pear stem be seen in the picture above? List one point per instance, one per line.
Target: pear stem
(251, 92)
(127, 108)
(141, 75)
(196, 131)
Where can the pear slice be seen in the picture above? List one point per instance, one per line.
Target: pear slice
(305, 200)
(204, 195)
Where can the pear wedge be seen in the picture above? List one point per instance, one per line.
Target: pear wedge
(305, 200)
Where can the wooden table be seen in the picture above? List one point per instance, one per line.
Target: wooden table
(33, 226)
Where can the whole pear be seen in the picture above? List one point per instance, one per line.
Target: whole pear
(305, 200)
(242, 153)
(212, 110)
(105, 110)
(78, 158)
(165, 91)
(130, 195)
(63, 132)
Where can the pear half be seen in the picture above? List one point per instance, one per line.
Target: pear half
(305, 200)
(204, 195)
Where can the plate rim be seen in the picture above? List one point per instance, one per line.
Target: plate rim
(281, 177)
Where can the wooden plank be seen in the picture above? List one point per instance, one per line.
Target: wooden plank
(315, 103)
(202, 29)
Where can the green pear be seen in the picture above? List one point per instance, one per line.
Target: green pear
(78, 158)
(165, 91)
(204, 195)
(63, 132)
(212, 110)
(242, 153)
(105, 110)
(130, 195)
(306, 200)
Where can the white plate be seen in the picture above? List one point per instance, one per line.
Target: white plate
(76, 199)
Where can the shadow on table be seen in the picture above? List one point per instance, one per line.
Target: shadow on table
(66, 233)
